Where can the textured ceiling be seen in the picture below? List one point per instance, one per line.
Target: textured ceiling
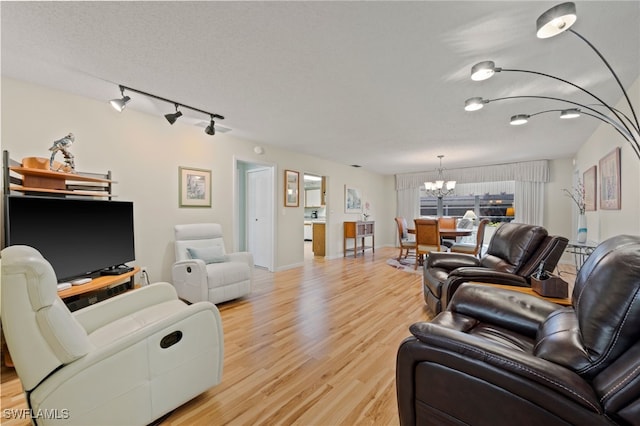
(379, 84)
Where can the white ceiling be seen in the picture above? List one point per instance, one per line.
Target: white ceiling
(379, 84)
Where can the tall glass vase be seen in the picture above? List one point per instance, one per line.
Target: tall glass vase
(582, 229)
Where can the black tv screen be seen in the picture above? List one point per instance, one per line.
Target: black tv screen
(79, 237)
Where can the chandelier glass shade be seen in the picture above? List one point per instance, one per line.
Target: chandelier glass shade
(440, 188)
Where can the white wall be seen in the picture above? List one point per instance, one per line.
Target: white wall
(602, 224)
(557, 206)
(144, 152)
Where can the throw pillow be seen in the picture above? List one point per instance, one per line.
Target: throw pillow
(212, 254)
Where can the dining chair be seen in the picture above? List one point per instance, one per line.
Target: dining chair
(407, 242)
(470, 248)
(447, 222)
(427, 238)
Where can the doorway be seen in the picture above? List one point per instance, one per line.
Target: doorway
(254, 227)
(315, 215)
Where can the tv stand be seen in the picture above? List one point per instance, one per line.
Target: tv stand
(99, 283)
(116, 270)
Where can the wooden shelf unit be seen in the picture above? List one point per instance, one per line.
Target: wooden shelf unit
(359, 231)
(29, 180)
(99, 283)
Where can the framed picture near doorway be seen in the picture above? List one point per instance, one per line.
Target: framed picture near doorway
(194, 187)
(291, 188)
(610, 181)
(352, 200)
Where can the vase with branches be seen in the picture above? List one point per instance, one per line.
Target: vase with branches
(577, 194)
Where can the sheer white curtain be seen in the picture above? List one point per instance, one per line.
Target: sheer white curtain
(408, 204)
(530, 178)
(528, 201)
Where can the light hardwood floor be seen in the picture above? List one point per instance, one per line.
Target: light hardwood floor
(314, 345)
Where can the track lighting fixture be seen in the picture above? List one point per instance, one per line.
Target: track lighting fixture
(172, 117)
(119, 104)
(211, 129)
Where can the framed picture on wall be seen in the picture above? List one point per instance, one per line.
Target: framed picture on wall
(610, 181)
(194, 187)
(352, 200)
(589, 179)
(291, 188)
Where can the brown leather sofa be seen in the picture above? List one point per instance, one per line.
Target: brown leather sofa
(499, 357)
(514, 253)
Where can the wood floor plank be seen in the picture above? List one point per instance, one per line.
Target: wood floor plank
(313, 345)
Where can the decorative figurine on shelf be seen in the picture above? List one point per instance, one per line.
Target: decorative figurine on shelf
(63, 146)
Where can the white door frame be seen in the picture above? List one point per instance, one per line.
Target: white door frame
(238, 192)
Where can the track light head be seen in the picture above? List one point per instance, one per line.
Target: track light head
(484, 70)
(211, 130)
(119, 104)
(569, 113)
(520, 119)
(474, 104)
(172, 117)
(556, 20)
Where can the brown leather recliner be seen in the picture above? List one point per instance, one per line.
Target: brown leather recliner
(514, 253)
(499, 357)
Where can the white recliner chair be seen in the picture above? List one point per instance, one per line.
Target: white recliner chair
(204, 271)
(127, 360)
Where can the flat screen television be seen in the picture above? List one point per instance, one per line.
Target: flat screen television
(79, 237)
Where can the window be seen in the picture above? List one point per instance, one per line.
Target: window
(497, 206)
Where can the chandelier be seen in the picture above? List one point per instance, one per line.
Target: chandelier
(440, 188)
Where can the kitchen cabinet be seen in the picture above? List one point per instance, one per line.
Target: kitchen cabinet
(308, 231)
(312, 198)
(318, 239)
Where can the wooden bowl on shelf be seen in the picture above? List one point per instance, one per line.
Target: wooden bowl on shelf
(43, 164)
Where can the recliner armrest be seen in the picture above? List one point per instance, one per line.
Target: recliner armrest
(194, 263)
(519, 312)
(487, 275)
(451, 261)
(486, 360)
(241, 256)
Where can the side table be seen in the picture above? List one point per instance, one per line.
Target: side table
(529, 290)
(580, 251)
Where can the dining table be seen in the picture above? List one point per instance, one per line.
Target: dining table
(455, 232)
(450, 232)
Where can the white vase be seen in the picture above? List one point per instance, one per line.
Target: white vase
(582, 229)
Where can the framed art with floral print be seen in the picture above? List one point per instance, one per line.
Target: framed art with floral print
(589, 180)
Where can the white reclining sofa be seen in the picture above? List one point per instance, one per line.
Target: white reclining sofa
(127, 360)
